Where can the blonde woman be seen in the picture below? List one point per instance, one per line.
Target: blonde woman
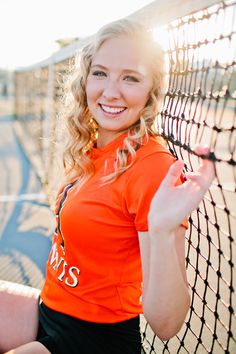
(118, 249)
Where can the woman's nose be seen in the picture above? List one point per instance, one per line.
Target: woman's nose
(111, 90)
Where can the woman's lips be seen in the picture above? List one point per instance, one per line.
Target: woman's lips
(112, 109)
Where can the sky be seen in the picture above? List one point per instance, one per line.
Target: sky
(29, 28)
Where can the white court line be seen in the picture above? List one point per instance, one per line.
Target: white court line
(22, 197)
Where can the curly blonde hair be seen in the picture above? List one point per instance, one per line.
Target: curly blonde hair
(81, 126)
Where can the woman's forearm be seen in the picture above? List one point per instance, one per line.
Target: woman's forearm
(166, 297)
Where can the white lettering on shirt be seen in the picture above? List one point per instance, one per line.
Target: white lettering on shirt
(69, 275)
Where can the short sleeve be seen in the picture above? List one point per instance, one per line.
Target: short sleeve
(144, 180)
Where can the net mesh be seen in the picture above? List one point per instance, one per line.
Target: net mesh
(199, 108)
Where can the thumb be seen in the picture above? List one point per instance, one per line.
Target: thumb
(173, 174)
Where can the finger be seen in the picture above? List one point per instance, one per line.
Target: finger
(174, 173)
(201, 150)
(191, 175)
(207, 167)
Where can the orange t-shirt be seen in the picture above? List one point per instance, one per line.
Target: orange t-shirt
(94, 267)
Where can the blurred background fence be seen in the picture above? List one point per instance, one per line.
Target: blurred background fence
(199, 38)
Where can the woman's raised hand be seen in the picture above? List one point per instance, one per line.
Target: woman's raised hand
(172, 204)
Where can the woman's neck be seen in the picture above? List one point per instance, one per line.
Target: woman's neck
(106, 137)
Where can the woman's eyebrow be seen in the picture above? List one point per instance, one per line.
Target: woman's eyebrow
(125, 71)
(99, 66)
(132, 71)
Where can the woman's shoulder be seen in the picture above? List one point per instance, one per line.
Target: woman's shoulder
(152, 158)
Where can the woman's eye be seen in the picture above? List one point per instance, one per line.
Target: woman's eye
(98, 73)
(131, 78)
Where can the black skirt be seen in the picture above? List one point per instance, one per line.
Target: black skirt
(63, 334)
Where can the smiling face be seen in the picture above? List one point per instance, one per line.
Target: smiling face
(118, 86)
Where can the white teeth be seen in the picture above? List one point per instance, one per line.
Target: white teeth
(112, 109)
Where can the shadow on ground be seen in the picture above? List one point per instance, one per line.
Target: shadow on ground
(26, 221)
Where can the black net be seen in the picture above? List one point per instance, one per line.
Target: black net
(199, 108)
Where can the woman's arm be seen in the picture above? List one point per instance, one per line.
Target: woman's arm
(166, 297)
